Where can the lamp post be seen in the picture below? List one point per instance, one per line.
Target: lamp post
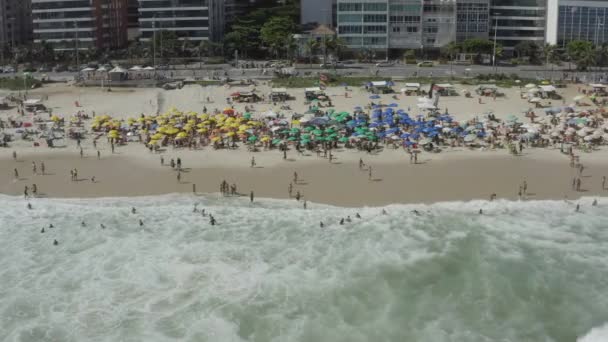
(154, 44)
(495, 35)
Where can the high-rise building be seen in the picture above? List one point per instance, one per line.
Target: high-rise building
(133, 19)
(317, 12)
(514, 21)
(80, 24)
(15, 22)
(194, 20)
(569, 20)
(410, 24)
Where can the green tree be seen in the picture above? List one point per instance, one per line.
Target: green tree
(582, 53)
(551, 54)
(276, 32)
(336, 46)
(311, 47)
(528, 49)
(452, 50)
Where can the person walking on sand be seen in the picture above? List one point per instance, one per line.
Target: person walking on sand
(370, 173)
(76, 174)
(16, 174)
(42, 168)
(604, 183)
(578, 184)
(26, 192)
(252, 161)
(14, 155)
(331, 157)
(193, 188)
(34, 168)
(290, 189)
(295, 177)
(573, 183)
(162, 161)
(81, 153)
(297, 196)
(179, 164)
(525, 187)
(179, 176)
(94, 143)
(361, 164)
(35, 189)
(112, 146)
(72, 175)
(98, 155)
(284, 154)
(305, 205)
(415, 158)
(251, 196)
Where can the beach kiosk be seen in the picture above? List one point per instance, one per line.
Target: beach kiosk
(314, 94)
(279, 95)
(549, 92)
(446, 89)
(599, 89)
(380, 87)
(411, 89)
(118, 74)
(33, 105)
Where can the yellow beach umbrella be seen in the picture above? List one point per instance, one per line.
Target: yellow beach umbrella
(55, 118)
(157, 136)
(264, 139)
(172, 131)
(202, 130)
(230, 134)
(214, 139)
(182, 135)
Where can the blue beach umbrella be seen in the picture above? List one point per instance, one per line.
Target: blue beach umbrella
(374, 97)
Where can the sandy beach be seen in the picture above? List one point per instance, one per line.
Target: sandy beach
(461, 176)
(457, 173)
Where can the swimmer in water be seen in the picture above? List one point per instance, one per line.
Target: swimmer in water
(342, 221)
(133, 210)
(480, 212)
(51, 226)
(357, 215)
(594, 203)
(55, 242)
(42, 230)
(203, 213)
(348, 219)
(141, 223)
(578, 208)
(415, 212)
(29, 206)
(82, 224)
(212, 220)
(321, 224)
(102, 226)
(195, 209)
(384, 212)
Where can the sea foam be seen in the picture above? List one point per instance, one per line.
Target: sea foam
(521, 271)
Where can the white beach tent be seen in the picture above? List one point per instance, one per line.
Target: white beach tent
(136, 68)
(149, 68)
(88, 70)
(118, 70)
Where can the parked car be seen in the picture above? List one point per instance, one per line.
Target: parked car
(9, 69)
(426, 64)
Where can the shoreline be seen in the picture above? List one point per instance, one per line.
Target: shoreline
(461, 178)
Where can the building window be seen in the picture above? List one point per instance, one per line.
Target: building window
(374, 7)
(430, 40)
(374, 18)
(412, 29)
(349, 18)
(396, 29)
(347, 6)
(374, 29)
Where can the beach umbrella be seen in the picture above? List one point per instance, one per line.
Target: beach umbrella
(276, 141)
(317, 132)
(182, 135)
(252, 138)
(157, 136)
(374, 97)
(292, 139)
(470, 137)
(343, 139)
(530, 86)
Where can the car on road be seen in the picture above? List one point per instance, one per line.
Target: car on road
(426, 64)
(385, 64)
(9, 69)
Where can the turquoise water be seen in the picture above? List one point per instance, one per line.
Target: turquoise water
(527, 271)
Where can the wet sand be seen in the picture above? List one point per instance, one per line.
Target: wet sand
(340, 183)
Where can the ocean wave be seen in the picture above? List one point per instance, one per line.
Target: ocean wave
(522, 271)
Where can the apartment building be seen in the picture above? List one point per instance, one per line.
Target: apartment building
(514, 21)
(80, 24)
(15, 22)
(411, 24)
(569, 20)
(194, 20)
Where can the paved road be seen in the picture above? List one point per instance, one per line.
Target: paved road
(364, 70)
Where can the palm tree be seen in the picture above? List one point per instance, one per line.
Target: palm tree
(336, 45)
(290, 46)
(311, 47)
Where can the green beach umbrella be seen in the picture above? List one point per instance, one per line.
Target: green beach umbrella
(305, 141)
(343, 139)
(309, 128)
(317, 132)
(285, 131)
(277, 141)
(305, 136)
(253, 138)
(295, 130)
(247, 116)
(320, 139)
(292, 139)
